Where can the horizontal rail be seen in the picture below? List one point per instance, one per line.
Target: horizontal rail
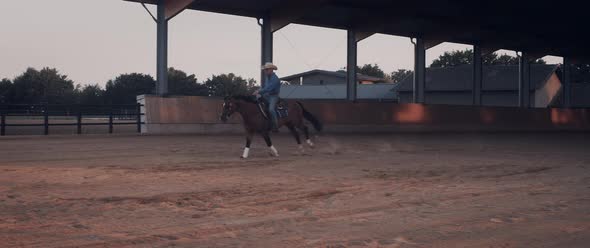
(72, 115)
(72, 105)
(114, 115)
(72, 124)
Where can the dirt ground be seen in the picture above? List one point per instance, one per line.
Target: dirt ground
(400, 190)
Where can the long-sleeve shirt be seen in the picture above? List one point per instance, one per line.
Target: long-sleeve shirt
(272, 85)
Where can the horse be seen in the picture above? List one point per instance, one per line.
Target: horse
(255, 122)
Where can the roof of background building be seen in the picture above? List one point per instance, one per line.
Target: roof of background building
(495, 78)
(339, 74)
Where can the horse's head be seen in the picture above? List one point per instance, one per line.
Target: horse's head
(229, 107)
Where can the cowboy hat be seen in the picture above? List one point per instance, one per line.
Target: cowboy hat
(269, 65)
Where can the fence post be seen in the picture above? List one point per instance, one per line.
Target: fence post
(79, 120)
(138, 117)
(111, 119)
(46, 118)
(2, 123)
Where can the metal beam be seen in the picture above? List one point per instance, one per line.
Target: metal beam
(291, 11)
(266, 43)
(477, 75)
(174, 7)
(566, 85)
(532, 56)
(360, 35)
(162, 51)
(372, 24)
(524, 82)
(432, 43)
(149, 12)
(419, 71)
(351, 55)
(488, 50)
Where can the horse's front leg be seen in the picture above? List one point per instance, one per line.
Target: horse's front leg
(273, 150)
(296, 136)
(248, 143)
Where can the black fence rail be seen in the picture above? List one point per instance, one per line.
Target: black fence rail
(125, 114)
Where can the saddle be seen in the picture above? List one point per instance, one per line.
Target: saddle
(282, 108)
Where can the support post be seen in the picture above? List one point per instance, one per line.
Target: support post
(111, 119)
(2, 123)
(566, 88)
(46, 119)
(351, 57)
(266, 42)
(524, 81)
(162, 50)
(79, 120)
(477, 75)
(138, 109)
(419, 71)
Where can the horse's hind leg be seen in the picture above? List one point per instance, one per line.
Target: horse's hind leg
(296, 135)
(247, 148)
(273, 150)
(305, 130)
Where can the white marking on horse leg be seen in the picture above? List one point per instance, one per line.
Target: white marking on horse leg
(301, 149)
(273, 151)
(310, 143)
(246, 152)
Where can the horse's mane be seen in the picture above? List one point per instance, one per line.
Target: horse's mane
(249, 99)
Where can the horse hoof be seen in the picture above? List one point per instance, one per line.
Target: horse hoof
(273, 152)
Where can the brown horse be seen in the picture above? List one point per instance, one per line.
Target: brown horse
(255, 122)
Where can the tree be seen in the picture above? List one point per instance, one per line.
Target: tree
(125, 88)
(503, 59)
(5, 91)
(182, 84)
(371, 70)
(400, 74)
(367, 69)
(454, 58)
(91, 95)
(46, 85)
(458, 57)
(229, 84)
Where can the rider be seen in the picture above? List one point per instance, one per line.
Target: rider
(270, 92)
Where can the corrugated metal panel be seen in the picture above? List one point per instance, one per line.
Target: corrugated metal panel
(495, 78)
(374, 91)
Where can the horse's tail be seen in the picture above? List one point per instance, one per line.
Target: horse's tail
(311, 118)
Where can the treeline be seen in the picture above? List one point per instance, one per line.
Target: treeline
(48, 85)
(448, 59)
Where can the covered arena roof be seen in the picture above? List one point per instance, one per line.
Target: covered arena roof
(539, 27)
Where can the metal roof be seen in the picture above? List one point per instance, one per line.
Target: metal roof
(540, 27)
(340, 74)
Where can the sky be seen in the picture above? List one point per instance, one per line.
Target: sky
(93, 41)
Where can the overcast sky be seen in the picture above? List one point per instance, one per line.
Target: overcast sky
(93, 41)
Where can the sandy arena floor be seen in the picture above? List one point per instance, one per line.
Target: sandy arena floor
(404, 190)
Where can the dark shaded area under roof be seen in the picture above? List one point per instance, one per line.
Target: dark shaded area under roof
(495, 78)
(540, 27)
